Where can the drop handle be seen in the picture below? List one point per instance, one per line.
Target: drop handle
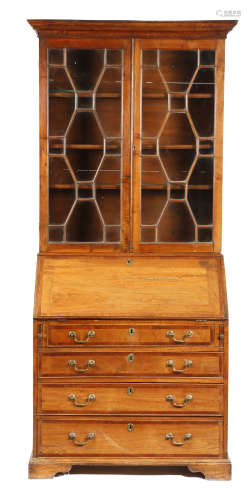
(187, 399)
(89, 399)
(73, 335)
(187, 364)
(73, 363)
(171, 335)
(72, 436)
(170, 436)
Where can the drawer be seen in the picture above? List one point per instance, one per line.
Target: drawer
(130, 437)
(98, 335)
(124, 363)
(132, 399)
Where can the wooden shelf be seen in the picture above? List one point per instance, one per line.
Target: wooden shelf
(144, 186)
(71, 93)
(162, 187)
(82, 187)
(177, 146)
(147, 146)
(196, 95)
(84, 146)
(116, 95)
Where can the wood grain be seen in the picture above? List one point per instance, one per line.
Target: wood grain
(58, 335)
(145, 399)
(108, 287)
(168, 29)
(112, 437)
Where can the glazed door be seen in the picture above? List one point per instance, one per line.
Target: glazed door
(85, 95)
(177, 145)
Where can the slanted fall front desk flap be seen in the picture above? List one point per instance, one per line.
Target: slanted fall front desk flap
(139, 287)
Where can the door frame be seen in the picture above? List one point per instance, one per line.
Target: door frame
(190, 247)
(83, 248)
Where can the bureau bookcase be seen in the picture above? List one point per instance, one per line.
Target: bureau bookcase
(130, 315)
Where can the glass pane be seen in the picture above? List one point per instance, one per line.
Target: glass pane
(112, 234)
(207, 57)
(178, 67)
(56, 56)
(84, 67)
(149, 57)
(201, 203)
(114, 57)
(56, 234)
(202, 173)
(85, 134)
(177, 145)
(176, 224)
(108, 201)
(148, 234)
(205, 234)
(177, 162)
(85, 223)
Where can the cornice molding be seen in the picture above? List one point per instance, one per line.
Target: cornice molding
(165, 29)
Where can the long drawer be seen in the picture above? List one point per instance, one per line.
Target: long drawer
(97, 398)
(91, 334)
(124, 363)
(130, 437)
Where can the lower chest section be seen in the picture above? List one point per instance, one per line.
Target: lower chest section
(132, 389)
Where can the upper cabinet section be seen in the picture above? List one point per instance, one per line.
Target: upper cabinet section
(131, 136)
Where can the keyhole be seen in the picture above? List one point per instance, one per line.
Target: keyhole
(130, 427)
(130, 358)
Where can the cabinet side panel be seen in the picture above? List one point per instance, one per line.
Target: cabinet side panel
(219, 107)
(43, 144)
(37, 330)
(225, 430)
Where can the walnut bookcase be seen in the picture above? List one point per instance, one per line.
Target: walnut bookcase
(130, 316)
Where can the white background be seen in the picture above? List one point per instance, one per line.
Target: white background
(19, 245)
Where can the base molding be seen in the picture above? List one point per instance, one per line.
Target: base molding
(48, 467)
(213, 471)
(46, 470)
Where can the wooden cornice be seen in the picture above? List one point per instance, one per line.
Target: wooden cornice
(126, 29)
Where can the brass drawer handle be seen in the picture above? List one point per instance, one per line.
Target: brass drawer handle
(73, 363)
(171, 335)
(170, 436)
(187, 364)
(187, 399)
(89, 399)
(90, 436)
(73, 335)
